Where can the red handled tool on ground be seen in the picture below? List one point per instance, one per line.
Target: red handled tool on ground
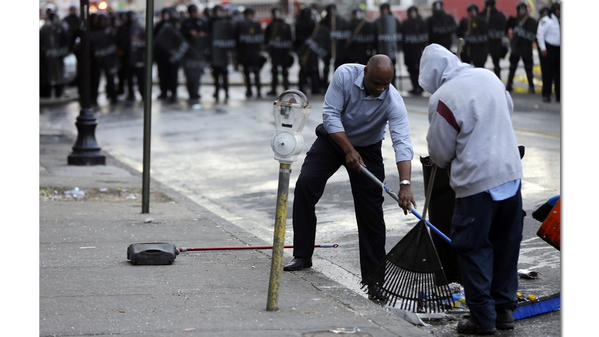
(162, 253)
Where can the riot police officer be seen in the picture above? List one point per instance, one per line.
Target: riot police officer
(360, 46)
(278, 40)
(311, 41)
(523, 30)
(415, 36)
(102, 42)
(475, 33)
(339, 32)
(250, 39)
(196, 31)
(388, 34)
(54, 46)
(496, 23)
(222, 33)
(441, 26)
(171, 46)
(131, 45)
(160, 57)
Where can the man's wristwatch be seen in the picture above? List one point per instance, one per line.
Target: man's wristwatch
(404, 182)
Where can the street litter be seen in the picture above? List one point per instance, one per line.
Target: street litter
(528, 274)
(75, 193)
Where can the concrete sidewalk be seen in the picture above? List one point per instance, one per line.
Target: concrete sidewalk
(88, 288)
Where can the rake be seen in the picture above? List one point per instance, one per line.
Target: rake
(414, 276)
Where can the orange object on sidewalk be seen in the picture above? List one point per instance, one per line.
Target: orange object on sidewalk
(550, 229)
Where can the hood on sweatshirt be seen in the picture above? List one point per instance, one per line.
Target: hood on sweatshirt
(437, 66)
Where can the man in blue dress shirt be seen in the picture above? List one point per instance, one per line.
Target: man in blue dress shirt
(359, 103)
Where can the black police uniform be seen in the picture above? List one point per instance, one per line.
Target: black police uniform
(279, 40)
(524, 31)
(131, 43)
(311, 41)
(104, 61)
(361, 43)
(414, 37)
(161, 62)
(195, 59)
(388, 37)
(336, 51)
(172, 47)
(441, 27)
(496, 23)
(54, 47)
(222, 32)
(475, 34)
(250, 39)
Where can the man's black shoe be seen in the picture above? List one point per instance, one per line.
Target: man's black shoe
(505, 319)
(298, 263)
(376, 294)
(468, 327)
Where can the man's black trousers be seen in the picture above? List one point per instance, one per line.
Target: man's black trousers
(322, 161)
(486, 235)
(552, 69)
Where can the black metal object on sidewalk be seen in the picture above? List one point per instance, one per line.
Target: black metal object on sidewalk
(145, 189)
(85, 150)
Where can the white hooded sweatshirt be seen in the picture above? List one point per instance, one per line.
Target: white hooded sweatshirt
(470, 123)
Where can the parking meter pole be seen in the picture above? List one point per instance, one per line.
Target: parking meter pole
(145, 189)
(276, 267)
(85, 150)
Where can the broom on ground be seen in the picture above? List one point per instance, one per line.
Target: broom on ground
(414, 276)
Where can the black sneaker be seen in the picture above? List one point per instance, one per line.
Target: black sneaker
(468, 327)
(505, 319)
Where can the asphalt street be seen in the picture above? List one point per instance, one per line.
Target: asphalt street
(219, 156)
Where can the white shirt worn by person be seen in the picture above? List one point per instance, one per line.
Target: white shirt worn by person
(549, 32)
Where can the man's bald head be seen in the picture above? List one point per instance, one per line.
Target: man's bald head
(380, 61)
(378, 74)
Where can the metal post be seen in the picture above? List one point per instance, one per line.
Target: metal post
(85, 150)
(276, 267)
(145, 189)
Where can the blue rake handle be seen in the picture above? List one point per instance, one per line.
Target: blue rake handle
(396, 198)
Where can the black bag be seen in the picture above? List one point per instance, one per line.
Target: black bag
(156, 253)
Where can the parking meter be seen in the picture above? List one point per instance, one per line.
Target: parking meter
(291, 111)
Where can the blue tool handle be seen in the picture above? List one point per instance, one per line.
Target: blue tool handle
(430, 225)
(394, 196)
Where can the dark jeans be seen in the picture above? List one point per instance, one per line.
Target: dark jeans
(309, 74)
(486, 235)
(552, 69)
(109, 75)
(275, 76)
(322, 161)
(192, 81)
(221, 76)
(251, 69)
(162, 66)
(526, 55)
(172, 80)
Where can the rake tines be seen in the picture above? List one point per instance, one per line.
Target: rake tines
(414, 277)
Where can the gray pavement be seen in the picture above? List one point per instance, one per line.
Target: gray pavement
(218, 156)
(88, 289)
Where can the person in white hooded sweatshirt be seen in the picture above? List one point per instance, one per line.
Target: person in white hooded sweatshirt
(471, 133)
